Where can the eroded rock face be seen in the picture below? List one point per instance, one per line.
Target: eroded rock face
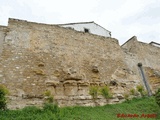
(153, 76)
(39, 57)
(146, 56)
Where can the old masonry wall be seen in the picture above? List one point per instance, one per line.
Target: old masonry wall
(146, 54)
(38, 57)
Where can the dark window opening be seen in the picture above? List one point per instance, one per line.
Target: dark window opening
(86, 30)
(70, 28)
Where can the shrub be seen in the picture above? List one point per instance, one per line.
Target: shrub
(144, 93)
(3, 100)
(105, 92)
(126, 97)
(51, 107)
(157, 97)
(49, 97)
(93, 91)
(31, 109)
(132, 91)
(140, 89)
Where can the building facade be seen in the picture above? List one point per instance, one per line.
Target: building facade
(88, 27)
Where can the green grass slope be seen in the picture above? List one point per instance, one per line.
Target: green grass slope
(136, 109)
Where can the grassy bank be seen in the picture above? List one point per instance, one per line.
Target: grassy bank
(145, 107)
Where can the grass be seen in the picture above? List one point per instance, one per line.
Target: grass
(137, 106)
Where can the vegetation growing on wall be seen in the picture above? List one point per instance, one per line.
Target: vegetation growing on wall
(93, 91)
(48, 97)
(126, 96)
(141, 90)
(3, 99)
(132, 91)
(105, 92)
(50, 105)
(157, 97)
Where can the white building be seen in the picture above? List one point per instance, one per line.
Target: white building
(88, 27)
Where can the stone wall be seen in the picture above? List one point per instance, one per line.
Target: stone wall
(39, 57)
(147, 54)
(2, 36)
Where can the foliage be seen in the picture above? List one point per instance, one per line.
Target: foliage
(126, 96)
(93, 91)
(48, 96)
(157, 97)
(132, 91)
(47, 93)
(51, 107)
(137, 106)
(105, 92)
(144, 93)
(32, 109)
(141, 90)
(3, 99)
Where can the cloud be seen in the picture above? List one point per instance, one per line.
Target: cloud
(62, 11)
(145, 23)
(4, 13)
(124, 18)
(130, 18)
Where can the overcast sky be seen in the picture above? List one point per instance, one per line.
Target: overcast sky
(124, 18)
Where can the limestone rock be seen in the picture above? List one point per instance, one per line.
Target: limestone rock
(113, 83)
(52, 83)
(120, 96)
(38, 57)
(95, 69)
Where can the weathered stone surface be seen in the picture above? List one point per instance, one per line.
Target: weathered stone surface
(95, 69)
(52, 83)
(113, 83)
(120, 96)
(39, 57)
(148, 56)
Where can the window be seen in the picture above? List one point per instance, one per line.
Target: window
(86, 30)
(70, 28)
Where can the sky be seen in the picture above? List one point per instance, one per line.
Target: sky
(124, 18)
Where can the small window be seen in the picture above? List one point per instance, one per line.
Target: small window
(86, 30)
(70, 28)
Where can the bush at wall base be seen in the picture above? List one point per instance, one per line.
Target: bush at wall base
(157, 97)
(3, 99)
